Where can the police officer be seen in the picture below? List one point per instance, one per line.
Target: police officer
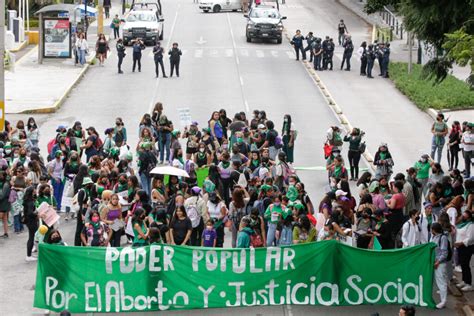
(310, 39)
(385, 59)
(120, 54)
(370, 61)
(297, 43)
(346, 57)
(379, 54)
(318, 54)
(175, 56)
(158, 57)
(342, 29)
(329, 53)
(138, 46)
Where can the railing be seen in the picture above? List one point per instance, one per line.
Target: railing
(392, 21)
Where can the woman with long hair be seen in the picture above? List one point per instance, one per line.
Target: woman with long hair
(217, 131)
(180, 227)
(454, 139)
(31, 220)
(112, 216)
(32, 133)
(140, 229)
(91, 144)
(237, 210)
(101, 48)
(288, 133)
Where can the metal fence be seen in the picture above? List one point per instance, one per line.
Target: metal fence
(392, 21)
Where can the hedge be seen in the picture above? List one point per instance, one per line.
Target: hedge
(452, 93)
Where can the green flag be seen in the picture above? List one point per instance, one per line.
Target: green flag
(201, 174)
(377, 245)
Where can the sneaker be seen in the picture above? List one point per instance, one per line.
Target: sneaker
(467, 288)
(441, 305)
(461, 284)
(31, 259)
(4, 236)
(34, 249)
(458, 269)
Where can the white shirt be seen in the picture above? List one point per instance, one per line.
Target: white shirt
(425, 229)
(411, 234)
(81, 44)
(465, 235)
(453, 214)
(215, 210)
(468, 137)
(360, 52)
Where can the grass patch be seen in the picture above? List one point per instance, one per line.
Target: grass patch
(452, 93)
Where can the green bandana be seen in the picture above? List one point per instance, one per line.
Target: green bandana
(292, 193)
(463, 224)
(226, 164)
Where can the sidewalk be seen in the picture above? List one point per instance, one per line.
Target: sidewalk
(399, 48)
(35, 88)
(374, 105)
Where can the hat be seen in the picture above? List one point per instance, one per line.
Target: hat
(108, 131)
(194, 123)
(196, 190)
(58, 152)
(206, 130)
(209, 186)
(60, 128)
(340, 193)
(261, 126)
(373, 186)
(427, 204)
(129, 156)
(265, 188)
(175, 132)
(292, 193)
(87, 181)
(114, 151)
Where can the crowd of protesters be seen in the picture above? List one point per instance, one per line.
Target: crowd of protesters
(249, 189)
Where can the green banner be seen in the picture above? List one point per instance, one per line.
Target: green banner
(164, 277)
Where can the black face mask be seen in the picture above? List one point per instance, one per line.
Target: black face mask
(417, 218)
(47, 192)
(365, 216)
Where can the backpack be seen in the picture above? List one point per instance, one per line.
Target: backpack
(288, 171)
(362, 147)
(75, 206)
(193, 214)
(98, 144)
(51, 144)
(336, 139)
(278, 142)
(450, 250)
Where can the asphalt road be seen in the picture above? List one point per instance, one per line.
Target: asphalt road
(218, 70)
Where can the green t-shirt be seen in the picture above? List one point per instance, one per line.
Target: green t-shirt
(51, 200)
(423, 170)
(136, 239)
(274, 213)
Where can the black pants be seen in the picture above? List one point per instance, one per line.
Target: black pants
(317, 62)
(465, 254)
(468, 155)
(137, 58)
(297, 51)
(380, 65)
(120, 60)
(385, 63)
(79, 228)
(328, 61)
(157, 70)
(308, 48)
(32, 228)
(174, 64)
(347, 59)
(116, 236)
(354, 158)
(116, 33)
(370, 65)
(226, 187)
(453, 157)
(196, 234)
(107, 12)
(219, 235)
(363, 66)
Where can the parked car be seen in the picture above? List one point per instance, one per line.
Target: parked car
(264, 22)
(220, 5)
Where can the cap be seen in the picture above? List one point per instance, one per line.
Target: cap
(175, 132)
(340, 192)
(58, 153)
(196, 190)
(194, 123)
(206, 130)
(374, 186)
(60, 128)
(427, 204)
(265, 188)
(87, 181)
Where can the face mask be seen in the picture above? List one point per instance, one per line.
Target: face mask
(365, 216)
(417, 218)
(285, 120)
(55, 240)
(292, 183)
(276, 203)
(209, 227)
(117, 123)
(47, 192)
(15, 155)
(8, 151)
(240, 140)
(202, 149)
(326, 233)
(95, 219)
(104, 181)
(423, 160)
(123, 182)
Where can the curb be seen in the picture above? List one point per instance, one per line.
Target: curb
(22, 46)
(17, 62)
(63, 97)
(333, 105)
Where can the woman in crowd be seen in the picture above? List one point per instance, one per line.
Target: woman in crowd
(112, 216)
(96, 232)
(180, 227)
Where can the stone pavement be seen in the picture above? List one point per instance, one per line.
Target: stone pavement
(34, 88)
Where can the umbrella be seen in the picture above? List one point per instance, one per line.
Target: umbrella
(90, 10)
(172, 171)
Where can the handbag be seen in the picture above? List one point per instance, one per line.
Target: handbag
(327, 150)
(362, 147)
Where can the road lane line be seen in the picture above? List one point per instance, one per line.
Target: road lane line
(260, 53)
(214, 53)
(229, 52)
(290, 54)
(198, 53)
(244, 52)
(234, 47)
(274, 53)
(158, 80)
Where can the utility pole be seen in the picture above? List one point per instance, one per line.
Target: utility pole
(410, 55)
(100, 17)
(2, 67)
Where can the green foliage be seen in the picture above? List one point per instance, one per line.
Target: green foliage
(460, 48)
(451, 93)
(373, 6)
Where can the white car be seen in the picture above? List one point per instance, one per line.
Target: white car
(144, 24)
(219, 5)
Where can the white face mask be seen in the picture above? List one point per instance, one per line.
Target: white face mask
(202, 149)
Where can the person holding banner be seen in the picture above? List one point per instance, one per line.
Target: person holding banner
(442, 258)
(180, 227)
(96, 233)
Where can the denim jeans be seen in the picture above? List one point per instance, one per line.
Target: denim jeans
(146, 183)
(164, 144)
(82, 56)
(17, 225)
(58, 192)
(437, 143)
(271, 234)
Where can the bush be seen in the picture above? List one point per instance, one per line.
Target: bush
(452, 93)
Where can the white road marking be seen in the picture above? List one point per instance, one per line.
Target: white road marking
(260, 53)
(184, 51)
(274, 53)
(214, 53)
(198, 53)
(244, 52)
(158, 80)
(229, 52)
(290, 54)
(237, 60)
(241, 80)
(247, 108)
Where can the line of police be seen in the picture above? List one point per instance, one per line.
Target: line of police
(322, 52)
